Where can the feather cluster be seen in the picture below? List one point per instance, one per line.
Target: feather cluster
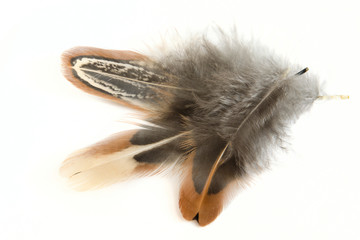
(216, 109)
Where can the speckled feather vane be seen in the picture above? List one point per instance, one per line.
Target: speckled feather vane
(215, 111)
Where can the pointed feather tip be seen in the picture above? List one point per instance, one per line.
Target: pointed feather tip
(67, 70)
(86, 171)
(206, 211)
(85, 176)
(100, 176)
(204, 208)
(68, 166)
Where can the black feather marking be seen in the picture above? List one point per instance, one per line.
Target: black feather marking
(164, 153)
(204, 159)
(303, 71)
(203, 162)
(224, 175)
(152, 135)
(119, 78)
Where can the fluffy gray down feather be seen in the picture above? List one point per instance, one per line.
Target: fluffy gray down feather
(242, 95)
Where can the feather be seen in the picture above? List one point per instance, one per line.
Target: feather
(119, 157)
(215, 109)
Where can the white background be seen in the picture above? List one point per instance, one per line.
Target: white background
(312, 191)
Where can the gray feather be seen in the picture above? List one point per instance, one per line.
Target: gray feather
(242, 94)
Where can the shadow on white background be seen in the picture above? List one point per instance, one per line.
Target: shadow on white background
(312, 192)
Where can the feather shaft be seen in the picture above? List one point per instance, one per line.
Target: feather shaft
(211, 174)
(129, 80)
(257, 106)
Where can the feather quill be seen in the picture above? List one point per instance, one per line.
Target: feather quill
(214, 109)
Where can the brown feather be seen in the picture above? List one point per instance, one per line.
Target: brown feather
(117, 158)
(203, 207)
(90, 51)
(91, 156)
